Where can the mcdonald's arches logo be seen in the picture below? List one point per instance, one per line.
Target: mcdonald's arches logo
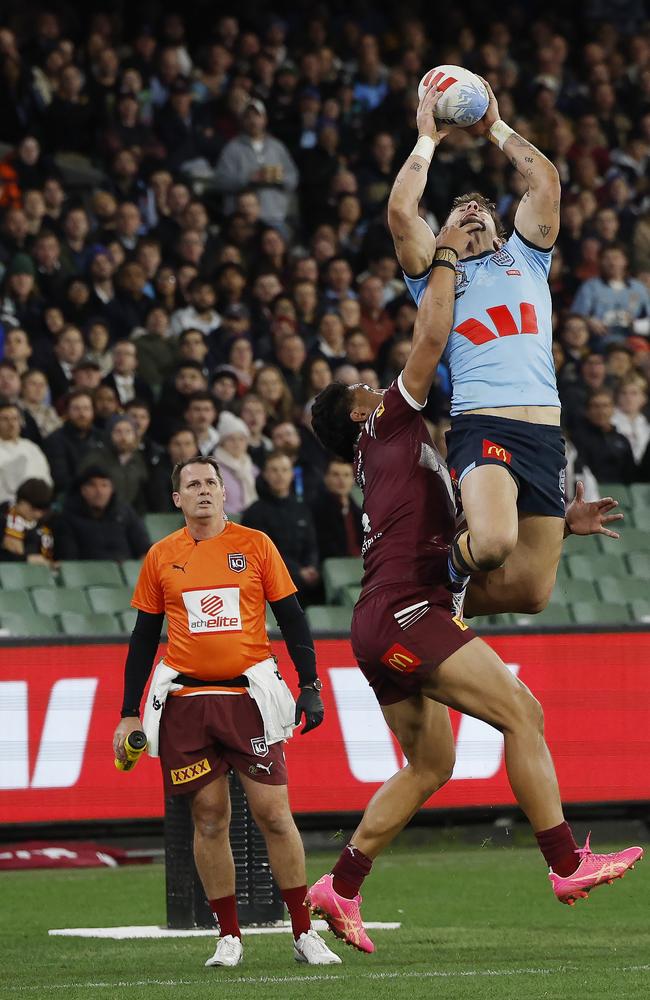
(400, 658)
(492, 450)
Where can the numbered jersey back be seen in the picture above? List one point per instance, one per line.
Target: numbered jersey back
(499, 350)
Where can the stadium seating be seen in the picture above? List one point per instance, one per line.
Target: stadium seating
(631, 540)
(614, 590)
(127, 620)
(32, 624)
(593, 567)
(553, 615)
(55, 600)
(600, 613)
(573, 590)
(77, 623)
(349, 595)
(20, 575)
(639, 565)
(131, 571)
(88, 572)
(110, 598)
(640, 607)
(15, 602)
(326, 618)
(159, 525)
(339, 573)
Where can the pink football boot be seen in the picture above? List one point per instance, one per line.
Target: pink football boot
(593, 870)
(342, 915)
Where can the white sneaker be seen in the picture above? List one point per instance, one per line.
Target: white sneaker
(311, 948)
(229, 951)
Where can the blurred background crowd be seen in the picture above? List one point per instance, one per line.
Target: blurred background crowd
(193, 243)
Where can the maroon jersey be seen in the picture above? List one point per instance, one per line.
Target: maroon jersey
(408, 511)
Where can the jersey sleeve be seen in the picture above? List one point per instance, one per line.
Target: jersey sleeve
(417, 286)
(148, 594)
(537, 259)
(276, 580)
(395, 413)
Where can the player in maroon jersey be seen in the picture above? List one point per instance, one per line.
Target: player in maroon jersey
(417, 655)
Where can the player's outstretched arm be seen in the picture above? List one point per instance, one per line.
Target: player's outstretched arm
(435, 313)
(538, 215)
(413, 239)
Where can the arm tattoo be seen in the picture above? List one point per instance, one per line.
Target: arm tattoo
(544, 230)
(416, 166)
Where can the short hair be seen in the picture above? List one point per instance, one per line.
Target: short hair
(331, 423)
(76, 394)
(270, 456)
(138, 403)
(196, 460)
(603, 391)
(36, 492)
(483, 202)
(200, 396)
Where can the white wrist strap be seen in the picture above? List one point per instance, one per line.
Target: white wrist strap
(424, 147)
(499, 133)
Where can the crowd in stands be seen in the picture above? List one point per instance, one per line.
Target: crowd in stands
(193, 243)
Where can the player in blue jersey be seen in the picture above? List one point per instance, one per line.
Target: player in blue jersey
(505, 448)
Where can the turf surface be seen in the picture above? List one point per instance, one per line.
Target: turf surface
(477, 922)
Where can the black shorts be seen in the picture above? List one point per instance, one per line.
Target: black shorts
(533, 454)
(400, 635)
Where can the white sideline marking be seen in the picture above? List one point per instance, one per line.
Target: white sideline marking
(153, 931)
(253, 980)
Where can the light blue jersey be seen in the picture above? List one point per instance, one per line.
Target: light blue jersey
(499, 350)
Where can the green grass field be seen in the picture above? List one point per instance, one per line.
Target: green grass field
(476, 922)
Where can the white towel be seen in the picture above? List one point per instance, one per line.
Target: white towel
(161, 685)
(274, 700)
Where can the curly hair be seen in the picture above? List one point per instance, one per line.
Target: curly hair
(331, 423)
(483, 202)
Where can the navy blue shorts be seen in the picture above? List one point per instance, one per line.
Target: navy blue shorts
(533, 454)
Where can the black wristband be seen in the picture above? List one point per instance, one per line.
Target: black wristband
(443, 263)
(453, 250)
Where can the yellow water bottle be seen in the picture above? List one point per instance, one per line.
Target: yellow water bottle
(134, 746)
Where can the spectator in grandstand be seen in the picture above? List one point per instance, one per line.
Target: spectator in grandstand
(10, 392)
(237, 731)
(124, 376)
(271, 388)
(94, 524)
(25, 532)
(619, 362)
(20, 459)
(256, 159)
(237, 469)
(34, 396)
(375, 321)
(306, 454)
(121, 458)
(337, 516)
(290, 355)
(192, 345)
(629, 418)
(182, 446)
(253, 413)
(139, 411)
(69, 349)
(612, 301)
(87, 374)
(200, 314)
(155, 348)
(288, 522)
(69, 444)
(188, 378)
(200, 415)
(17, 349)
(600, 446)
(330, 340)
(21, 304)
(574, 394)
(106, 403)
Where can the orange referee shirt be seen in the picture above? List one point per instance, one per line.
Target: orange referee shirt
(214, 594)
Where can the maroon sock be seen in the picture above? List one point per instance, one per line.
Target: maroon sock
(559, 849)
(225, 911)
(295, 903)
(350, 871)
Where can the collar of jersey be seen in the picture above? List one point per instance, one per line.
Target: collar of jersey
(476, 256)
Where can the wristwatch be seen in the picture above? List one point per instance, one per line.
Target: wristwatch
(317, 685)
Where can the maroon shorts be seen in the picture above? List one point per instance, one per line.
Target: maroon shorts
(203, 736)
(400, 636)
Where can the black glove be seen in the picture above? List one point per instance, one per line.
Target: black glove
(309, 702)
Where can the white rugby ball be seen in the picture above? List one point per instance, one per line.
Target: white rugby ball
(464, 98)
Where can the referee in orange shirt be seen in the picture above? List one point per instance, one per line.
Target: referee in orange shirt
(212, 579)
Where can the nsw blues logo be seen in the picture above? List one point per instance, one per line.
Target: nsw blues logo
(462, 281)
(503, 258)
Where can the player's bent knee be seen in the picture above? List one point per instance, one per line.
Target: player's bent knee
(533, 596)
(275, 822)
(211, 825)
(491, 552)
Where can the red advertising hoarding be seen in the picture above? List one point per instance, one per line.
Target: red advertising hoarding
(59, 705)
